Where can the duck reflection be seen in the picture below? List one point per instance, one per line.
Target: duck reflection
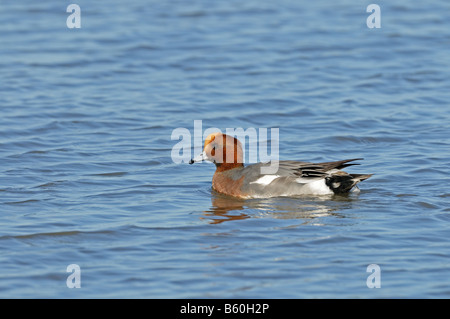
(227, 208)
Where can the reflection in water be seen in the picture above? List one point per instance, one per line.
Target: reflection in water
(226, 208)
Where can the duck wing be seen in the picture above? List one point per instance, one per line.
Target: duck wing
(307, 169)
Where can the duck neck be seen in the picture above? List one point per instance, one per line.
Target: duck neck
(222, 167)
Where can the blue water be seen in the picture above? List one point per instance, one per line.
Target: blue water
(87, 178)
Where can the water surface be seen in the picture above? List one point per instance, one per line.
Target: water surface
(87, 178)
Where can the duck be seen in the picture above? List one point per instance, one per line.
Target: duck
(292, 178)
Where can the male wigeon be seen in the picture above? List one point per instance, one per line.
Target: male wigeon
(291, 179)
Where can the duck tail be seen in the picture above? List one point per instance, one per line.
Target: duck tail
(341, 184)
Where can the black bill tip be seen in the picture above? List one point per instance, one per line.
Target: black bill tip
(191, 161)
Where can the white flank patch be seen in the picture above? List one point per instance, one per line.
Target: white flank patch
(265, 180)
(319, 187)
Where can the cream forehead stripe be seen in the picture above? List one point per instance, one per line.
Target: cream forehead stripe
(210, 138)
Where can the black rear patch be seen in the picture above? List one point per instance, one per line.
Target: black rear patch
(340, 184)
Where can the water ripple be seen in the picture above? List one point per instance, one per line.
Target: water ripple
(87, 177)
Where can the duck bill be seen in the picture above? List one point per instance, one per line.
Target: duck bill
(199, 158)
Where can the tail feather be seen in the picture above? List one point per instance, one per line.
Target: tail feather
(327, 166)
(341, 184)
(361, 177)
